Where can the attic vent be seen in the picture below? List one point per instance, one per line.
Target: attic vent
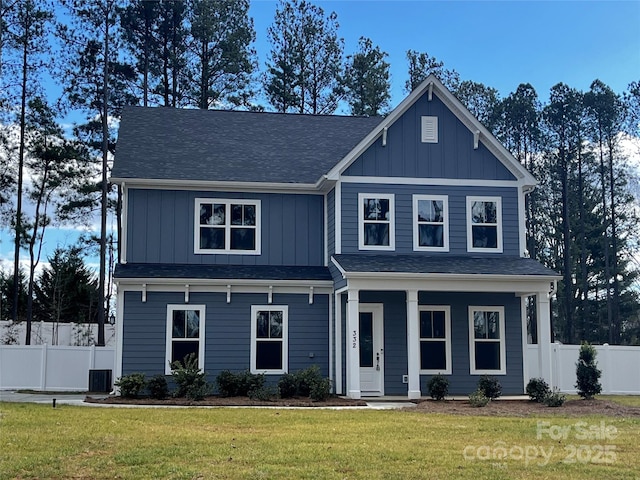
(429, 129)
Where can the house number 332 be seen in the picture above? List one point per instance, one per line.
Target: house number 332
(354, 336)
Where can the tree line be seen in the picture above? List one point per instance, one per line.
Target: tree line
(106, 54)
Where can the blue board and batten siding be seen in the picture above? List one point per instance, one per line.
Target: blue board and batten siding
(160, 227)
(404, 216)
(460, 380)
(227, 330)
(405, 155)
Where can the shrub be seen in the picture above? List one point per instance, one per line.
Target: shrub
(538, 390)
(490, 386)
(478, 399)
(587, 372)
(554, 399)
(198, 391)
(238, 384)
(158, 388)
(130, 385)
(307, 378)
(288, 385)
(188, 376)
(264, 393)
(438, 387)
(320, 390)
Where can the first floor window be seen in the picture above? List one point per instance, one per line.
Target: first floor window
(376, 222)
(430, 223)
(185, 334)
(269, 339)
(227, 226)
(487, 340)
(484, 224)
(435, 339)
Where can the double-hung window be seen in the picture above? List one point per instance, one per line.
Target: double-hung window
(487, 340)
(376, 221)
(435, 339)
(269, 339)
(430, 223)
(227, 226)
(185, 334)
(484, 224)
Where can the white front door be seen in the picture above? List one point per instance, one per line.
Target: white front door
(371, 349)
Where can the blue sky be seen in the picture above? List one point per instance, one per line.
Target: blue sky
(498, 43)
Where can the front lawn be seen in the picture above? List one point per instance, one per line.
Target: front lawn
(38, 441)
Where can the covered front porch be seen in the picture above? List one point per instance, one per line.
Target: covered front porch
(395, 329)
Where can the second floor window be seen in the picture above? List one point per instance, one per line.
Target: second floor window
(376, 222)
(227, 226)
(430, 223)
(484, 224)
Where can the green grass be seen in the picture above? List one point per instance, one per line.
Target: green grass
(37, 441)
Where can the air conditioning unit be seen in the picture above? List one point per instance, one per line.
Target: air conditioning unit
(100, 381)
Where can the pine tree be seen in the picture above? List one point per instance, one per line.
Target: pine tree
(366, 80)
(96, 82)
(305, 62)
(421, 65)
(28, 24)
(222, 57)
(587, 372)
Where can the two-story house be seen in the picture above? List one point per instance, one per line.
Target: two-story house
(383, 250)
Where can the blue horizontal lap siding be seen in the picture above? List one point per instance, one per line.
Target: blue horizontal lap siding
(460, 380)
(406, 156)
(227, 330)
(404, 217)
(160, 227)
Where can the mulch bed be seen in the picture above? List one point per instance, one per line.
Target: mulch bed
(215, 401)
(500, 408)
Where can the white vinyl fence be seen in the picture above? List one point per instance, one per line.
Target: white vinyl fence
(55, 333)
(47, 368)
(620, 366)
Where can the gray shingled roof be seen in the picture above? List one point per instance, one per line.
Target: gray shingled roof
(218, 272)
(216, 145)
(449, 264)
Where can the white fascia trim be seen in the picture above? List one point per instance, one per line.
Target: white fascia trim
(124, 218)
(459, 110)
(200, 284)
(339, 267)
(447, 282)
(260, 187)
(448, 182)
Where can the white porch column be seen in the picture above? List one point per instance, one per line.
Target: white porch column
(353, 345)
(544, 337)
(413, 344)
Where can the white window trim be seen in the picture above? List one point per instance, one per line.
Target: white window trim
(227, 226)
(498, 202)
(447, 332)
(472, 341)
(285, 338)
(392, 222)
(445, 224)
(169, 338)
